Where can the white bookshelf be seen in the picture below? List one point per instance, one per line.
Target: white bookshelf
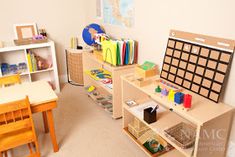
(12, 54)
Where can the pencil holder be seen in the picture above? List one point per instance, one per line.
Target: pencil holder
(149, 116)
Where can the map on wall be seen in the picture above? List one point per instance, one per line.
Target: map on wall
(118, 12)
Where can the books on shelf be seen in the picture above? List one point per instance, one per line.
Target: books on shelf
(35, 62)
(120, 52)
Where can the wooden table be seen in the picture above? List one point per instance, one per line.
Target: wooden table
(42, 99)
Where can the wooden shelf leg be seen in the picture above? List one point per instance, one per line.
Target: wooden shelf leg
(52, 130)
(44, 115)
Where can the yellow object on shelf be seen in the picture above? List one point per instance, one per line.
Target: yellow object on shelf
(171, 95)
(29, 62)
(109, 49)
(106, 73)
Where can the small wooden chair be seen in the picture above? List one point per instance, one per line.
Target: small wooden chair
(17, 127)
(9, 80)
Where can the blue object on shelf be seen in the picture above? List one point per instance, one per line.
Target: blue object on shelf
(13, 68)
(4, 68)
(179, 98)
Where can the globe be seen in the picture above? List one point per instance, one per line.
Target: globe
(89, 32)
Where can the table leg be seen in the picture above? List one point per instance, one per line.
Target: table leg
(52, 130)
(45, 121)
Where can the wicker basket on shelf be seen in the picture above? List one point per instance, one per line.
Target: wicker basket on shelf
(182, 135)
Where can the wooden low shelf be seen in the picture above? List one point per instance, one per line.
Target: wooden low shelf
(174, 151)
(165, 120)
(91, 62)
(207, 116)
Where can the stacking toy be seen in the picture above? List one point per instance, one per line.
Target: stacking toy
(187, 100)
(171, 95)
(179, 97)
(164, 92)
(158, 89)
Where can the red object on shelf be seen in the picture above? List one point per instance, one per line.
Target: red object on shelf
(187, 100)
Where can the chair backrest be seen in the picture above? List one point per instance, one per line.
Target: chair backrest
(9, 80)
(15, 116)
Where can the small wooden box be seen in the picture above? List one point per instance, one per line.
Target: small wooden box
(135, 131)
(141, 82)
(138, 124)
(98, 54)
(139, 72)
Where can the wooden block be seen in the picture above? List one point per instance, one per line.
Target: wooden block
(146, 73)
(142, 82)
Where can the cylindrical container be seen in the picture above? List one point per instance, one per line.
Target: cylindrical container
(187, 100)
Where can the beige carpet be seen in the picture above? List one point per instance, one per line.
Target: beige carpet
(83, 129)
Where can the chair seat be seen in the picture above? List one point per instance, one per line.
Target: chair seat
(15, 139)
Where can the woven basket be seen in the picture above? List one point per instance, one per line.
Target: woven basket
(182, 134)
(75, 67)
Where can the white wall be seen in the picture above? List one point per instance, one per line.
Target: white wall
(61, 19)
(154, 19)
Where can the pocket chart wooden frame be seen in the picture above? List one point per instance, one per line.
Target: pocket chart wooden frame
(198, 63)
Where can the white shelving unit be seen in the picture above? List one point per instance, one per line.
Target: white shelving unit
(12, 54)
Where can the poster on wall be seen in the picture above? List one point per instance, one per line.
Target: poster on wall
(118, 12)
